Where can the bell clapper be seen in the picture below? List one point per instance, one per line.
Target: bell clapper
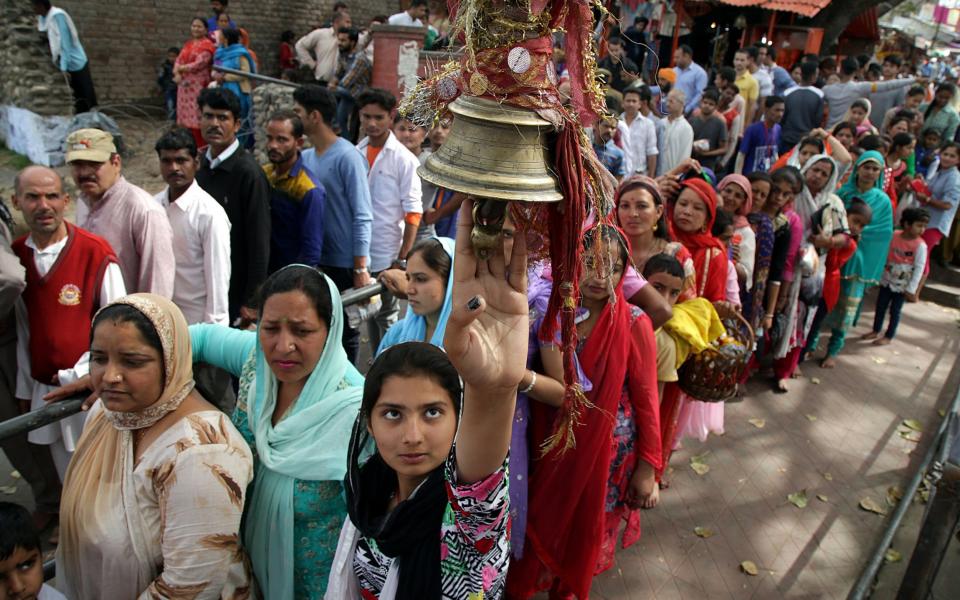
(488, 218)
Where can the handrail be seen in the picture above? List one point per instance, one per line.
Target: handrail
(939, 446)
(56, 411)
(255, 76)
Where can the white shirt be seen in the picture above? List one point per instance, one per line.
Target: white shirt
(404, 19)
(765, 82)
(394, 191)
(640, 142)
(201, 245)
(319, 49)
(223, 156)
(677, 143)
(111, 288)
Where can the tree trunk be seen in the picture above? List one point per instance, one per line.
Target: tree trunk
(835, 18)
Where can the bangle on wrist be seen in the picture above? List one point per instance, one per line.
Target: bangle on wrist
(359, 270)
(533, 382)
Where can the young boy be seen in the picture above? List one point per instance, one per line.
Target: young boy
(167, 84)
(758, 150)
(709, 131)
(21, 563)
(901, 277)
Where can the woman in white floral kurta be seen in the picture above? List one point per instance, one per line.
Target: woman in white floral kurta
(154, 494)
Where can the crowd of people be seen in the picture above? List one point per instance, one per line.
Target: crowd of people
(232, 446)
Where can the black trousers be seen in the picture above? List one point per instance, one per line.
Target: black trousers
(81, 83)
(343, 279)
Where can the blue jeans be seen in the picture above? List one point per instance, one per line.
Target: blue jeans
(345, 105)
(894, 300)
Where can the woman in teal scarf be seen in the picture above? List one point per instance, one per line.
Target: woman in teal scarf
(234, 55)
(298, 398)
(866, 265)
(428, 289)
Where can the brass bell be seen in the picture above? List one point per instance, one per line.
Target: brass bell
(494, 152)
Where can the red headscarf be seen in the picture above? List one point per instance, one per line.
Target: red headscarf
(568, 488)
(709, 253)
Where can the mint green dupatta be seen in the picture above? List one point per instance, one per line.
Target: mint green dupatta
(310, 443)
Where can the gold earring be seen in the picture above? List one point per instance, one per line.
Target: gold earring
(654, 226)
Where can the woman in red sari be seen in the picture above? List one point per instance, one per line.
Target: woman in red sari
(192, 74)
(580, 496)
(691, 224)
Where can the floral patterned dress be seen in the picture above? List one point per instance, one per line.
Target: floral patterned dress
(474, 541)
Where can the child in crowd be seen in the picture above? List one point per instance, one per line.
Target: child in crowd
(723, 230)
(168, 87)
(902, 275)
(859, 216)
(693, 326)
(926, 151)
(21, 561)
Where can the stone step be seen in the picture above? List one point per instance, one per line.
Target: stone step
(948, 274)
(941, 293)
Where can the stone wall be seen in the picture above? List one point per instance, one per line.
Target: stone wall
(29, 79)
(126, 40)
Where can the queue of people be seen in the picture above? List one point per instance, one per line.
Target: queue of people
(233, 447)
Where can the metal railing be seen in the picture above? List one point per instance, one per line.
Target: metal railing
(56, 411)
(255, 76)
(933, 465)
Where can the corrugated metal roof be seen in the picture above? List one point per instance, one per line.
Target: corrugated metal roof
(807, 8)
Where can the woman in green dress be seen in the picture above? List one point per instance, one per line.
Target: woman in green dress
(297, 401)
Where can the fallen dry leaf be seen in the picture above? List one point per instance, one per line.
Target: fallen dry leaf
(894, 494)
(758, 423)
(909, 435)
(913, 424)
(815, 380)
(823, 498)
(828, 476)
(8, 489)
(942, 412)
(870, 505)
(798, 499)
(703, 532)
(878, 360)
(700, 468)
(699, 458)
(698, 463)
(15, 474)
(892, 556)
(811, 418)
(749, 567)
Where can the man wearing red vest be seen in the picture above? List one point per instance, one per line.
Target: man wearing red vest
(70, 274)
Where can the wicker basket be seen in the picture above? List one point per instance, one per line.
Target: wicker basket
(713, 375)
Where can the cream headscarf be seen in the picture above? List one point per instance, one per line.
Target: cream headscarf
(102, 544)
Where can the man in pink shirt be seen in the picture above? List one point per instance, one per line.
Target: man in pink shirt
(122, 213)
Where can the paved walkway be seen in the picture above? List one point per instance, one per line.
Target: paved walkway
(834, 434)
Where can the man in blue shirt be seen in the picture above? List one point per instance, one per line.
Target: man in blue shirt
(691, 78)
(218, 7)
(758, 150)
(607, 151)
(348, 217)
(67, 53)
(781, 78)
(297, 197)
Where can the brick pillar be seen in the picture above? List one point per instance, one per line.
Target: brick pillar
(396, 57)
